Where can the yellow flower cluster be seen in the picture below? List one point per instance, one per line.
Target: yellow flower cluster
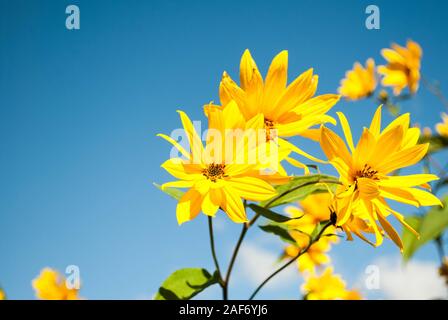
(219, 174)
(223, 174)
(328, 286)
(366, 173)
(50, 285)
(402, 70)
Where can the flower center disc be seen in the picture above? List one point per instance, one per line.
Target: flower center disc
(367, 172)
(214, 171)
(268, 125)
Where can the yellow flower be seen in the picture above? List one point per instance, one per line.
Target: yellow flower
(2, 295)
(359, 82)
(50, 285)
(328, 286)
(366, 173)
(287, 110)
(442, 128)
(216, 177)
(316, 255)
(403, 68)
(313, 209)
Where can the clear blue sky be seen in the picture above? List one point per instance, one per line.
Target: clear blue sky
(80, 110)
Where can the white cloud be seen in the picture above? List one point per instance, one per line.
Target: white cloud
(411, 281)
(256, 264)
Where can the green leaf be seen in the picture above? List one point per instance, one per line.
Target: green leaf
(271, 215)
(429, 226)
(318, 228)
(278, 230)
(299, 188)
(436, 143)
(184, 284)
(173, 192)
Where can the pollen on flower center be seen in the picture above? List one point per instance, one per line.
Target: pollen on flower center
(214, 171)
(367, 172)
(268, 125)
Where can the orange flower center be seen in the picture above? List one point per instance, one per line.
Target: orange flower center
(366, 172)
(214, 172)
(268, 125)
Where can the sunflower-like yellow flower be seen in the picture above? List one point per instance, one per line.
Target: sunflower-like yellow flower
(290, 110)
(366, 173)
(359, 82)
(50, 285)
(2, 294)
(216, 177)
(403, 68)
(328, 286)
(442, 128)
(311, 211)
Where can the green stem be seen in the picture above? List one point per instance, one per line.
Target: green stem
(234, 255)
(247, 225)
(287, 264)
(215, 259)
(440, 250)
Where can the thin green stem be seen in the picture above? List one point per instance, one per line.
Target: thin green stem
(440, 250)
(287, 264)
(247, 225)
(233, 258)
(215, 258)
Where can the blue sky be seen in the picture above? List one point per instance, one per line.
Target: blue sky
(80, 110)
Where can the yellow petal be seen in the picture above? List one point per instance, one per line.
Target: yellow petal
(402, 120)
(368, 189)
(298, 164)
(250, 77)
(390, 231)
(411, 138)
(347, 131)
(193, 138)
(296, 93)
(407, 181)
(403, 158)
(189, 206)
(233, 205)
(229, 90)
(400, 195)
(364, 149)
(424, 198)
(371, 215)
(178, 184)
(392, 56)
(177, 169)
(211, 202)
(275, 83)
(397, 216)
(251, 188)
(316, 106)
(175, 144)
(386, 145)
(252, 84)
(287, 145)
(312, 134)
(334, 147)
(294, 128)
(375, 125)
